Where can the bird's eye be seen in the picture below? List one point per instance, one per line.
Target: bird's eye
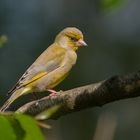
(73, 39)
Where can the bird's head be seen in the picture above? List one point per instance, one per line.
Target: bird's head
(70, 38)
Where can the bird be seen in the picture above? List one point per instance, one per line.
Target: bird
(51, 67)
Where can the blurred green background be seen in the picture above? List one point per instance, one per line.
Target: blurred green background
(112, 32)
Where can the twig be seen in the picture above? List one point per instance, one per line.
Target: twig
(98, 94)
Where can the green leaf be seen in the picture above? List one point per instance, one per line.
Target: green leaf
(108, 5)
(48, 113)
(6, 130)
(19, 127)
(32, 131)
(3, 40)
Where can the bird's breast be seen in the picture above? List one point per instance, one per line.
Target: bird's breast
(70, 58)
(58, 75)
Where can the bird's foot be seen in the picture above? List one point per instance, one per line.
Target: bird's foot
(53, 92)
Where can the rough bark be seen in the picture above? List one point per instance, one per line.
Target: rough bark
(97, 94)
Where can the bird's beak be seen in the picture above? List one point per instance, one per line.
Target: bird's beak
(81, 42)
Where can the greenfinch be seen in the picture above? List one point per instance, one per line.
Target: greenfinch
(51, 67)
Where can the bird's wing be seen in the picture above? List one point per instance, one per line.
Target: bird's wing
(48, 61)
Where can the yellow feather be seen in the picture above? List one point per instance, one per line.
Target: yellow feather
(38, 76)
(57, 60)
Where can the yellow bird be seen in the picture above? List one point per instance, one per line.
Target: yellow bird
(51, 67)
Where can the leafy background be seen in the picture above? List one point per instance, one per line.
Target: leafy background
(112, 31)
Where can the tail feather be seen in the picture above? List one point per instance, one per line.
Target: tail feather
(13, 97)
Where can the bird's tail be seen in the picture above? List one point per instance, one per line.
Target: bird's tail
(13, 97)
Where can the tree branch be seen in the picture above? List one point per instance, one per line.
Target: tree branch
(98, 94)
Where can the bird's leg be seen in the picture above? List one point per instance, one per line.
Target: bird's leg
(53, 92)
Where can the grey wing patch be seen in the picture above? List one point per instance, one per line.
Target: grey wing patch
(20, 81)
(52, 65)
(32, 71)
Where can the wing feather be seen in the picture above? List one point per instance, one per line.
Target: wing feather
(48, 61)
